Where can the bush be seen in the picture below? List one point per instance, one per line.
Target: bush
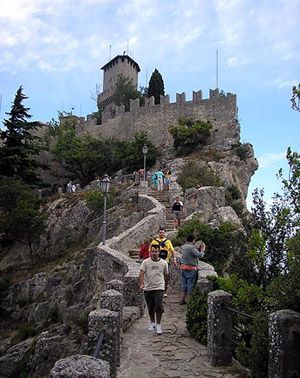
(196, 317)
(195, 175)
(189, 132)
(220, 242)
(24, 332)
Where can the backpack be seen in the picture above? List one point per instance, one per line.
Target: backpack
(163, 249)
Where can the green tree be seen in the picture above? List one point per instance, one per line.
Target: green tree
(20, 217)
(296, 98)
(20, 146)
(84, 157)
(156, 86)
(125, 90)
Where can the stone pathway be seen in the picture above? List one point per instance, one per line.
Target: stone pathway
(172, 354)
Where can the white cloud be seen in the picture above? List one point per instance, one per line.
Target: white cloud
(270, 159)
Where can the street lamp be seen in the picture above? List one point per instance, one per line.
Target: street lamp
(104, 184)
(145, 151)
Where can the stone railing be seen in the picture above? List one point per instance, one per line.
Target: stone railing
(284, 336)
(105, 321)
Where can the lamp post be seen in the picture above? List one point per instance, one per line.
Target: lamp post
(145, 151)
(105, 184)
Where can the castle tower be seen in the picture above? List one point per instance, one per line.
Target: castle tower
(119, 65)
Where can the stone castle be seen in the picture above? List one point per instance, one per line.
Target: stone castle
(219, 108)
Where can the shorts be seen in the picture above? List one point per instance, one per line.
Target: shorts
(177, 214)
(188, 280)
(154, 300)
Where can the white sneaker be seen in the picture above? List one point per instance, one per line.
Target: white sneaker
(165, 295)
(158, 329)
(152, 327)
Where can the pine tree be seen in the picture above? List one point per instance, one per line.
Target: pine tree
(19, 146)
(156, 86)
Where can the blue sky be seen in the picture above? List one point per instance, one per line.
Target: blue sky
(55, 49)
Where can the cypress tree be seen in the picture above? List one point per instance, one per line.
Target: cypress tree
(19, 145)
(156, 86)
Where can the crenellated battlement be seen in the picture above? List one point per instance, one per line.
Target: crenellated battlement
(112, 111)
(219, 108)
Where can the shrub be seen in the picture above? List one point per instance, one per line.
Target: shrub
(196, 317)
(219, 242)
(195, 175)
(189, 132)
(24, 332)
(242, 152)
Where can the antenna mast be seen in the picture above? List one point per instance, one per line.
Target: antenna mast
(217, 69)
(109, 53)
(127, 46)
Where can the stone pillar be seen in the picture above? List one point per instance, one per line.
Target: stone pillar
(115, 285)
(80, 366)
(219, 328)
(143, 187)
(284, 344)
(205, 286)
(132, 292)
(107, 321)
(113, 300)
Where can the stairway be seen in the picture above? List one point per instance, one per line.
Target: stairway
(164, 199)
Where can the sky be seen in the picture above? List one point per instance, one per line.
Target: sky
(55, 50)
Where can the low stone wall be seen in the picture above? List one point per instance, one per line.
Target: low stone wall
(284, 336)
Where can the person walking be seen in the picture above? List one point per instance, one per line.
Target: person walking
(166, 249)
(176, 211)
(160, 180)
(153, 279)
(189, 266)
(145, 249)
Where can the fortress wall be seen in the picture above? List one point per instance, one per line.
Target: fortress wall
(155, 119)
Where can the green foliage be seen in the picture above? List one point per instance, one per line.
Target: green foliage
(272, 229)
(24, 332)
(242, 151)
(88, 157)
(196, 317)
(156, 86)
(130, 153)
(20, 146)
(296, 98)
(195, 175)
(189, 132)
(125, 90)
(20, 217)
(220, 242)
(95, 201)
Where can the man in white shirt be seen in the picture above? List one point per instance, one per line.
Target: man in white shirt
(153, 280)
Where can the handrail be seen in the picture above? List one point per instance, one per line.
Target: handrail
(238, 312)
(99, 344)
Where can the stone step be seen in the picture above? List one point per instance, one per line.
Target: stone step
(134, 253)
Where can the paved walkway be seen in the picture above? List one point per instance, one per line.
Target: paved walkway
(172, 354)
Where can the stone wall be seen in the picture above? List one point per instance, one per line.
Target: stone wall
(221, 110)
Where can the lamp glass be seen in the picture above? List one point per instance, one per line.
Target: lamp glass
(105, 184)
(145, 150)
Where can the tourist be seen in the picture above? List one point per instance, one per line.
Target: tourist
(144, 249)
(69, 187)
(153, 279)
(189, 266)
(166, 249)
(176, 210)
(154, 180)
(160, 180)
(167, 178)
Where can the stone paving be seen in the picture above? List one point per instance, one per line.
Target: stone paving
(173, 354)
